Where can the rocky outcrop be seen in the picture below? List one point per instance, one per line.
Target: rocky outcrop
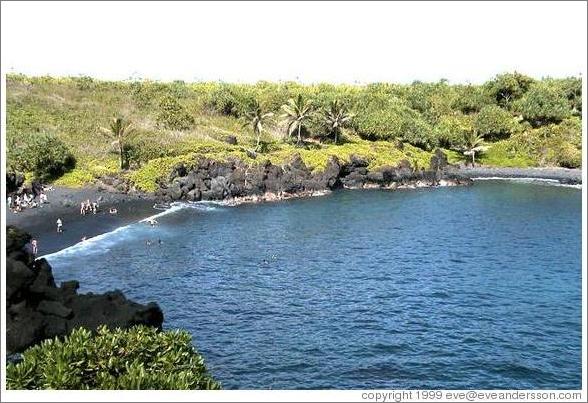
(207, 179)
(13, 181)
(37, 309)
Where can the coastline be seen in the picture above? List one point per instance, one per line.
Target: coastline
(562, 175)
(136, 207)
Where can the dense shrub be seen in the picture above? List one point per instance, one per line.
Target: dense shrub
(172, 115)
(231, 100)
(571, 89)
(392, 119)
(451, 130)
(43, 154)
(506, 88)
(544, 103)
(136, 358)
(494, 122)
(470, 99)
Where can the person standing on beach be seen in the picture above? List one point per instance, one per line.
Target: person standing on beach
(34, 247)
(82, 208)
(59, 225)
(9, 202)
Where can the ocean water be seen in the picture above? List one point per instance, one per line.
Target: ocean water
(455, 288)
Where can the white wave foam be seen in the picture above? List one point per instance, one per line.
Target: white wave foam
(88, 244)
(542, 181)
(109, 238)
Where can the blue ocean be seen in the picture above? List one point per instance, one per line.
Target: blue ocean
(456, 288)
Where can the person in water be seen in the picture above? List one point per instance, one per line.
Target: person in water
(148, 242)
(113, 210)
(153, 222)
(59, 225)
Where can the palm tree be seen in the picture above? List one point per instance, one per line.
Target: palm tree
(119, 130)
(473, 143)
(256, 117)
(336, 116)
(296, 112)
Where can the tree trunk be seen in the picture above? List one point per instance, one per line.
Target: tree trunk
(336, 135)
(473, 159)
(121, 152)
(258, 140)
(298, 142)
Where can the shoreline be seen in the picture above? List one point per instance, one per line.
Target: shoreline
(133, 208)
(562, 175)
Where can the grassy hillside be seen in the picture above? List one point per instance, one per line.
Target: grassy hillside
(522, 122)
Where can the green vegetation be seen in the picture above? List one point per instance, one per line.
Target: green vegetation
(136, 358)
(42, 154)
(523, 121)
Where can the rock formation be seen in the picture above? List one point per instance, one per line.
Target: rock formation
(207, 179)
(37, 309)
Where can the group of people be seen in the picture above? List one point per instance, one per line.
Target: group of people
(86, 207)
(21, 202)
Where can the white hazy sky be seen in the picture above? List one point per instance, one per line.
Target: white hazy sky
(309, 41)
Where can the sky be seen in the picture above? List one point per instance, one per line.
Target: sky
(352, 42)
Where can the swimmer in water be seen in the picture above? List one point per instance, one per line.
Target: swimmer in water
(148, 242)
(153, 222)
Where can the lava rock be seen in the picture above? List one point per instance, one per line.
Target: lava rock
(37, 309)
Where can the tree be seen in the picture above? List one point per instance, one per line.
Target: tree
(336, 116)
(543, 104)
(494, 122)
(296, 113)
(506, 88)
(473, 143)
(43, 154)
(120, 130)
(256, 117)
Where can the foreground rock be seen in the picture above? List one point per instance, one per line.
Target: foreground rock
(37, 309)
(207, 179)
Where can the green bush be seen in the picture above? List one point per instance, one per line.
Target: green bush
(543, 104)
(385, 118)
(136, 358)
(231, 100)
(506, 88)
(494, 123)
(451, 129)
(43, 154)
(470, 99)
(172, 115)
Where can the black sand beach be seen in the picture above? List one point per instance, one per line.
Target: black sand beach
(64, 203)
(563, 175)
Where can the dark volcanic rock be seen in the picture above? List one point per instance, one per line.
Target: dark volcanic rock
(37, 309)
(14, 181)
(217, 180)
(231, 139)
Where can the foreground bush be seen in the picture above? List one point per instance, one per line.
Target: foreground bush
(43, 154)
(136, 358)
